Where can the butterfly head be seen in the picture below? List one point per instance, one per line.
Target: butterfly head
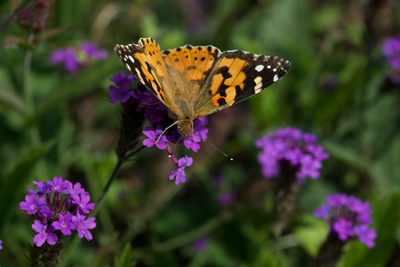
(185, 127)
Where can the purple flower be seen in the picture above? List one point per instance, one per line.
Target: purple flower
(65, 223)
(180, 172)
(76, 189)
(154, 113)
(45, 233)
(348, 217)
(58, 185)
(31, 204)
(122, 92)
(365, 235)
(45, 212)
(226, 199)
(75, 59)
(67, 201)
(93, 51)
(322, 212)
(153, 136)
(292, 146)
(83, 226)
(43, 188)
(200, 244)
(82, 203)
(0, 244)
(344, 228)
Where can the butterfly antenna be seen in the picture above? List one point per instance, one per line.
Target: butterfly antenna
(231, 159)
(165, 130)
(180, 137)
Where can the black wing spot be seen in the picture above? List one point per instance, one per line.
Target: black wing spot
(189, 47)
(195, 58)
(187, 56)
(203, 58)
(167, 52)
(176, 60)
(191, 68)
(209, 48)
(221, 101)
(158, 62)
(178, 49)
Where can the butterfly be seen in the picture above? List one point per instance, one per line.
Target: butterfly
(195, 81)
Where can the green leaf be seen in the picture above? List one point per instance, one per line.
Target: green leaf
(125, 258)
(311, 234)
(18, 175)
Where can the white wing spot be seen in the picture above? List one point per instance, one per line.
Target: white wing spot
(138, 75)
(259, 68)
(131, 58)
(276, 78)
(274, 70)
(258, 80)
(257, 91)
(127, 65)
(269, 66)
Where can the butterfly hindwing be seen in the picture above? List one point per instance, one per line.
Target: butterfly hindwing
(235, 76)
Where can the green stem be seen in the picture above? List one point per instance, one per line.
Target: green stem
(28, 102)
(189, 237)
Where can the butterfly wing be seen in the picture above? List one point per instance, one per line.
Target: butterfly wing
(147, 64)
(235, 76)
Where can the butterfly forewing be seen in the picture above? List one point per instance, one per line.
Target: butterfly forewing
(145, 67)
(235, 76)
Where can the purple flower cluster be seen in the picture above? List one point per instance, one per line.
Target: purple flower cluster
(391, 50)
(349, 217)
(76, 58)
(157, 114)
(0, 244)
(290, 145)
(59, 207)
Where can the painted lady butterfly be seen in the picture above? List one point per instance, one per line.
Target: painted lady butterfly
(195, 81)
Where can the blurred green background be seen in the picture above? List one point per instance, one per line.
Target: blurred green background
(338, 89)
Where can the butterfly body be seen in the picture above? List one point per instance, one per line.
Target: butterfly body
(195, 81)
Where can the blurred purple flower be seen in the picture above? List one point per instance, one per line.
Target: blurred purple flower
(391, 49)
(200, 244)
(226, 198)
(348, 217)
(75, 59)
(0, 244)
(293, 146)
(45, 233)
(322, 212)
(343, 228)
(35, 16)
(366, 235)
(180, 172)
